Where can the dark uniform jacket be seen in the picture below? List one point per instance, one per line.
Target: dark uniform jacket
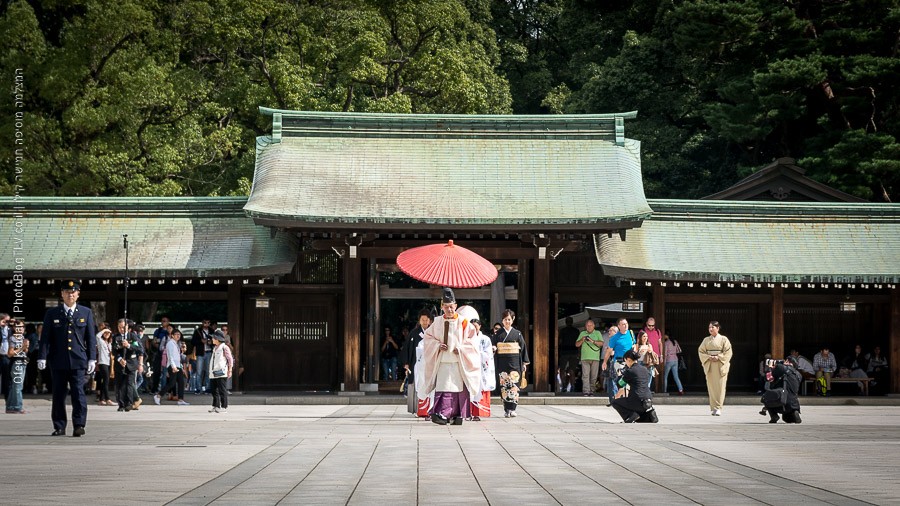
(68, 343)
(131, 350)
(638, 378)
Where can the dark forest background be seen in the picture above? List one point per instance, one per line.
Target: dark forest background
(142, 97)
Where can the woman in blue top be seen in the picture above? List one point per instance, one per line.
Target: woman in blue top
(619, 343)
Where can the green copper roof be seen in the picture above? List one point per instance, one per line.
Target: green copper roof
(168, 237)
(809, 242)
(379, 171)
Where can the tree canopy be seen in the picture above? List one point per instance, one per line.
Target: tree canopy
(143, 97)
(722, 87)
(153, 97)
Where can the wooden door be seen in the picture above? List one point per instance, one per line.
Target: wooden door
(689, 324)
(292, 345)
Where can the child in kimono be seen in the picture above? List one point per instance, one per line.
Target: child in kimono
(509, 392)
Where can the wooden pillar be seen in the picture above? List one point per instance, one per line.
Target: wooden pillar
(895, 341)
(498, 300)
(776, 346)
(234, 331)
(554, 333)
(541, 359)
(352, 280)
(113, 306)
(373, 328)
(659, 314)
(523, 311)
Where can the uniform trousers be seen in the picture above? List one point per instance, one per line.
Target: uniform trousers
(126, 388)
(71, 380)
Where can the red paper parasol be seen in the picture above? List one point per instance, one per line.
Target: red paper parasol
(447, 265)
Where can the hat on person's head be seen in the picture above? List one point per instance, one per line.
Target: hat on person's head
(70, 284)
(768, 355)
(448, 296)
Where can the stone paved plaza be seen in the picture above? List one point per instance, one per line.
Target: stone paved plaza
(378, 454)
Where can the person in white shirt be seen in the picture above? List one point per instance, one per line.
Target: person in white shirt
(175, 370)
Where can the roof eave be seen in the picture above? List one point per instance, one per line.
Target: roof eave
(632, 273)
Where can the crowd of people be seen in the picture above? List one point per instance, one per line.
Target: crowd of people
(451, 367)
(164, 364)
(587, 364)
(825, 366)
(69, 354)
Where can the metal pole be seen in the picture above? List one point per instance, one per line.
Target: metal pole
(127, 280)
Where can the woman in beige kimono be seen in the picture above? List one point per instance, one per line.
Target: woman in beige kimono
(715, 355)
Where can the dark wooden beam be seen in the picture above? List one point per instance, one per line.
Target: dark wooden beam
(235, 326)
(523, 310)
(541, 336)
(895, 341)
(155, 295)
(113, 305)
(435, 293)
(793, 298)
(776, 345)
(718, 298)
(391, 252)
(352, 296)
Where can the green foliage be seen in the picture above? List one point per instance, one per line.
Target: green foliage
(142, 97)
(147, 97)
(722, 87)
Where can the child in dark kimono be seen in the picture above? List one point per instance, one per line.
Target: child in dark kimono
(509, 392)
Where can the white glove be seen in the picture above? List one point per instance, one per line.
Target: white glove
(42, 364)
(92, 364)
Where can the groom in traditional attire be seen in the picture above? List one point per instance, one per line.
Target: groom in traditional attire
(452, 364)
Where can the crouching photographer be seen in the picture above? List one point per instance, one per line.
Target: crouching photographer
(782, 389)
(637, 405)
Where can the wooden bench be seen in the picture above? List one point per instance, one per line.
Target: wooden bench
(864, 381)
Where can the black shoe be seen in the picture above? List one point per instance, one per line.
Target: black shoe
(763, 412)
(439, 419)
(457, 420)
(128, 408)
(773, 419)
(79, 431)
(121, 408)
(632, 418)
(59, 432)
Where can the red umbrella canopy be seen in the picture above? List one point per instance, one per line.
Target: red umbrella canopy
(447, 265)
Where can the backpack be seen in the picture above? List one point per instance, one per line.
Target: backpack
(774, 398)
(821, 386)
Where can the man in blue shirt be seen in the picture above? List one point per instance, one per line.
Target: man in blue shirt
(619, 343)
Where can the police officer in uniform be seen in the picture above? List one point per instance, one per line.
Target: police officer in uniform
(69, 342)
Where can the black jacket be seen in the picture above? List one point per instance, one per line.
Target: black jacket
(408, 351)
(638, 378)
(68, 343)
(783, 378)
